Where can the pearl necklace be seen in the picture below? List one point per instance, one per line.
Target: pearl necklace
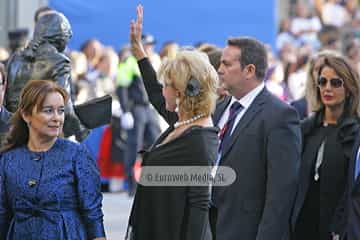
(185, 122)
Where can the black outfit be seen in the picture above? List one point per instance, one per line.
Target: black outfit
(346, 220)
(301, 107)
(264, 150)
(174, 212)
(321, 190)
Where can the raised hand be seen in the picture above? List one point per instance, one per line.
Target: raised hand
(137, 48)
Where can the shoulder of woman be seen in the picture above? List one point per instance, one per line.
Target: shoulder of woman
(308, 124)
(66, 145)
(201, 131)
(10, 154)
(348, 129)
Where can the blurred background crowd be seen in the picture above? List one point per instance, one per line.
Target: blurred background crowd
(303, 29)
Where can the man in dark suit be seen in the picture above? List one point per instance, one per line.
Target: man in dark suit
(346, 219)
(301, 107)
(261, 143)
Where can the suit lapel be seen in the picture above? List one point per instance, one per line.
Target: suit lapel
(255, 106)
(220, 108)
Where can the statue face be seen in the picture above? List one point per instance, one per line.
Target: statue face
(60, 44)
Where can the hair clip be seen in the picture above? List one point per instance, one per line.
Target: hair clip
(192, 88)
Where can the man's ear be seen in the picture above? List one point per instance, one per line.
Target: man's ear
(250, 71)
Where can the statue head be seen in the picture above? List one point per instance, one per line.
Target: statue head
(53, 28)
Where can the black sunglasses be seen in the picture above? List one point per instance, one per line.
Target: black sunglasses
(334, 82)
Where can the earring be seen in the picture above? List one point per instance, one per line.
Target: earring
(177, 102)
(28, 124)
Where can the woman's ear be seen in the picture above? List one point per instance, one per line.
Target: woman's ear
(25, 116)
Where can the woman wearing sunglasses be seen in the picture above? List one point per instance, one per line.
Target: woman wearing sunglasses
(328, 138)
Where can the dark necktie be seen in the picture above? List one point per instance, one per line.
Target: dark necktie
(225, 132)
(225, 135)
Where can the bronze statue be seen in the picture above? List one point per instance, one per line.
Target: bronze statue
(43, 59)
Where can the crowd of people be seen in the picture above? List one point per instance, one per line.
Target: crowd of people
(285, 120)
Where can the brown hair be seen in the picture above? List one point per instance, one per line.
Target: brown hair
(32, 96)
(253, 52)
(215, 57)
(347, 73)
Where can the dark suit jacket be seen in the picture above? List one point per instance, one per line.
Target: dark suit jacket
(346, 220)
(264, 152)
(301, 107)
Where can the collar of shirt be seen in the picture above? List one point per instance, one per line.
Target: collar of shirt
(245, 101)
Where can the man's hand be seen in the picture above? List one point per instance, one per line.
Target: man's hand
(137, 48)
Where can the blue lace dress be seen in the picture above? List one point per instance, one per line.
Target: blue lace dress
(50, 195)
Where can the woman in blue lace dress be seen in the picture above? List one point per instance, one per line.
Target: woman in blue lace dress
(49, 186)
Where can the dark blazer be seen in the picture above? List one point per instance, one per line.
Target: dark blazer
(353, 199)
(264, 152)
(301, 107)
(337, 154)
(346, 221)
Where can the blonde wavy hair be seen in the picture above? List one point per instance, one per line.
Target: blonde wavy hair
(345, 71)
(191, 64)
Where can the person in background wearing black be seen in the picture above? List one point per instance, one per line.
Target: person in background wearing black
(328, 139)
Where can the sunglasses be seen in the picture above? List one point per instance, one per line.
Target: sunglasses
(334, 82)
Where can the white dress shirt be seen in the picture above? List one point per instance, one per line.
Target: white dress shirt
(245, 101)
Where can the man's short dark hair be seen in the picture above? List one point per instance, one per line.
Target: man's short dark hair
(252, 52)
(2, 73)
(40, 10)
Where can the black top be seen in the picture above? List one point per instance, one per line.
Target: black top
(317, 199)
(175, 212)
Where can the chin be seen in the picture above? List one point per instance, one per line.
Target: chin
(170, 108)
